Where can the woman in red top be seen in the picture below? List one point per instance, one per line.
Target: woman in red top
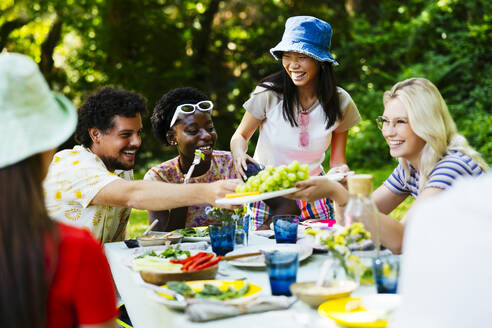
(52, 275)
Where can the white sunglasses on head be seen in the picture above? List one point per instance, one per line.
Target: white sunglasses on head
(204, 106)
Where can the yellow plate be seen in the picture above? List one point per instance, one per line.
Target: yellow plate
(197, 286)
(254, 198)
(242, 194)
(360, 317)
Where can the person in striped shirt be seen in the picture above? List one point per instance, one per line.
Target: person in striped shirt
(432, 155)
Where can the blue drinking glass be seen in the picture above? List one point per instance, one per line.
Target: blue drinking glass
(285, 227)
(222, 237)
(386, 269)
(282, 271)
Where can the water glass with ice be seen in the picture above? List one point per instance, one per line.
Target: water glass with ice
(386, 269)
(285, 227)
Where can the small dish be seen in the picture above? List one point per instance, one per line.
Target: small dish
(370, 311)
(312, 295)
(154, 238)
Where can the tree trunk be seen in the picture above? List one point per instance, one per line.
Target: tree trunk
(47, 49)
(202, 41)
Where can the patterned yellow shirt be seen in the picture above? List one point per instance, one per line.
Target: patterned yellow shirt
(74, 178)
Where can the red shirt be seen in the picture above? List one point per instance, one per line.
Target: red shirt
(82, 291)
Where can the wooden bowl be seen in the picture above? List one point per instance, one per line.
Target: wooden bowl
(161, 278)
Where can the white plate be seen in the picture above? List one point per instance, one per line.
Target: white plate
(273, 194)
(195, 239)
(304, 252)
(193, 248)
(255, 198)
(181, 305)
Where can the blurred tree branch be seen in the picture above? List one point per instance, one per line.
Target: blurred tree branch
(47, 48)
(10, 26)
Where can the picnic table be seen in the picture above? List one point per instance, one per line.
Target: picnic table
(147, 313)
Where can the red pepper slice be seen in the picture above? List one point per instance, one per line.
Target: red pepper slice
(185, 266)
(200, 261)
(188, 259)
(207, 264)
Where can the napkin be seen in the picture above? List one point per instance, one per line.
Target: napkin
(205, 310)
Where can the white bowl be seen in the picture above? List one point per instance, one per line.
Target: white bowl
(154, 238)
(309, 293)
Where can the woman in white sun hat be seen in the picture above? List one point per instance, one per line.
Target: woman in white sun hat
(300, 112)
(53, 275)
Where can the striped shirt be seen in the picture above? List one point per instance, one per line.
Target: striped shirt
(452, 166)
(321, 209)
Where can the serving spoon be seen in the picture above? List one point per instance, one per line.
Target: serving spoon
(150, 227)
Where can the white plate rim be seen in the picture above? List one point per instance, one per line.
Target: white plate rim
(193, 239)
(308, 251)
(255, 198)
(174, 304)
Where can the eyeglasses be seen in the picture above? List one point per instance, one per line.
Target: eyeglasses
(204, 106)
(384, 123)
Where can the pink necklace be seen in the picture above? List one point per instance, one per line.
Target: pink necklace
(303, 120)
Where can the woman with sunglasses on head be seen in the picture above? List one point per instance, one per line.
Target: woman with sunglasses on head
(300, 112)
(52, 274)
(183, 118)
(421, 133)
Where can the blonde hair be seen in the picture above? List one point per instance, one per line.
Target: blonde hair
(429, 119)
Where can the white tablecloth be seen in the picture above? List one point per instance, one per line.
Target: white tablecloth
(146, 313)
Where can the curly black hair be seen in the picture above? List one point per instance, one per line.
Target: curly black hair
(166, 106)
(102, 106)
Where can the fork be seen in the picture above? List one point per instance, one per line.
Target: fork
(196, 160)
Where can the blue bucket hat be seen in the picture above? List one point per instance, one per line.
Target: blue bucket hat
(32, 118)
(306, 35)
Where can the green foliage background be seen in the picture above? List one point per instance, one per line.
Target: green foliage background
(221, 47)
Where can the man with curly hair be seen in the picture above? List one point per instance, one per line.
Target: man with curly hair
(91, 185)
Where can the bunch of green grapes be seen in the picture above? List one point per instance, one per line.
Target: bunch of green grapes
(275, 178)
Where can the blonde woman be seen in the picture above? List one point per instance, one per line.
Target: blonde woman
(421, 133)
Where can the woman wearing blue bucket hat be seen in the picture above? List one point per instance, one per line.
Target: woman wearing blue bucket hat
(53, 275)
(300, 112)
